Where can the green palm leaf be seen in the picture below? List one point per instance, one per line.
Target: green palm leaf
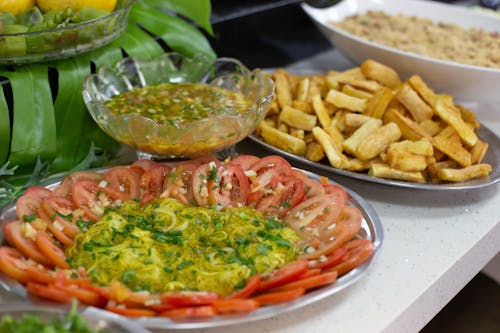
(62, 132)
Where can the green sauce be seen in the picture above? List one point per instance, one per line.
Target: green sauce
(176, 104)
(166, 245)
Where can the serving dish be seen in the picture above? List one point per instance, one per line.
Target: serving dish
(371, 229)
(492, 157)
(467, 82)
(168, 139)
(64, 41)
(97, 319)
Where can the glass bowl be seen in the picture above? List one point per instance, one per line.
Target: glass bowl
(100, 320)
(190, 139)
(66, 41)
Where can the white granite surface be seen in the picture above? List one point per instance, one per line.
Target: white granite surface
(435, 243)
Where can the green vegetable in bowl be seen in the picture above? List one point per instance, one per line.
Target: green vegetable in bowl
(72, 323)
(13, 45)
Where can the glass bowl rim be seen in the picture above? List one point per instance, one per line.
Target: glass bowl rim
(126, 8)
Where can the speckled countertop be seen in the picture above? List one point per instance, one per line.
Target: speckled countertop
(435, 243)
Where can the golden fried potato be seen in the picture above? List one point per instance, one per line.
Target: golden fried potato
(413, 103)
(335, 157)
(320, 110)
(377, 141)
(423, 90)
(382, 170)
(315, 152)
(422, 147)
(405, 161)
(283, 88)
(354, 92)
(410, 130)
(378, 103)
(460, 175)
(381, 73)
(282, 140)
(478, 151)
(351, 144)
(449, 143)
(344, 101)
(450, 116)
(297, 118)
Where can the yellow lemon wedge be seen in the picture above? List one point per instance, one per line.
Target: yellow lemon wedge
(16, 6)
(47, 5)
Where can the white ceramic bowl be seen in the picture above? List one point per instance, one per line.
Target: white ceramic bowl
(465, 82)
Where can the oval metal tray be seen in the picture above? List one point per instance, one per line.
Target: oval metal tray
(371, 229)
(492, 157)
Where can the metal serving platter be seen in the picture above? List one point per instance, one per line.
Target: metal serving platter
(492, 157)
(371, 229)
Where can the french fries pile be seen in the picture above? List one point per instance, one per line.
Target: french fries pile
(366, 119)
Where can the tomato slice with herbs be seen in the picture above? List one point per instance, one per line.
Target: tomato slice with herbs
(85, 196)
(28, 205)
(26, 245)
(284, 274)
(83, 295)
(60, 210)
(153, 179)
(179, 183)
(245, 161)
(64, 188)
(124, 183)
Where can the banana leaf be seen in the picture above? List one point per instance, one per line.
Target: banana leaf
(194, 10)
(34, 128)
(4, 128)
(49, 119)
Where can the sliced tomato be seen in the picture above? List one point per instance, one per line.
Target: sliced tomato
(48, 292)
(123, 183)
(311, 282)
(64, 188)
(189, 298)
(277, 297)
(26, 245)
(40, 274)
(310, 272)
(28, 204)
(12, 263)
(252, 285)
(47, 246)
(144, 164)
(83, 295)
(331, 260)
(236, 305)
(269, 171)
(103, 291)
(179, 183)
(131, 312)
(220, 183)
(284, 274)
(85, 196)
(335, 235)
(245, 161)
(314, 213)
(358, 251)
(288, 193)
(338, 191)
(205, 311)
(153, 179)
(313, 187)
(61, 210)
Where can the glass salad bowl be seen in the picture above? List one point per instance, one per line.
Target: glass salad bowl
(193, 107)
(35, 37)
